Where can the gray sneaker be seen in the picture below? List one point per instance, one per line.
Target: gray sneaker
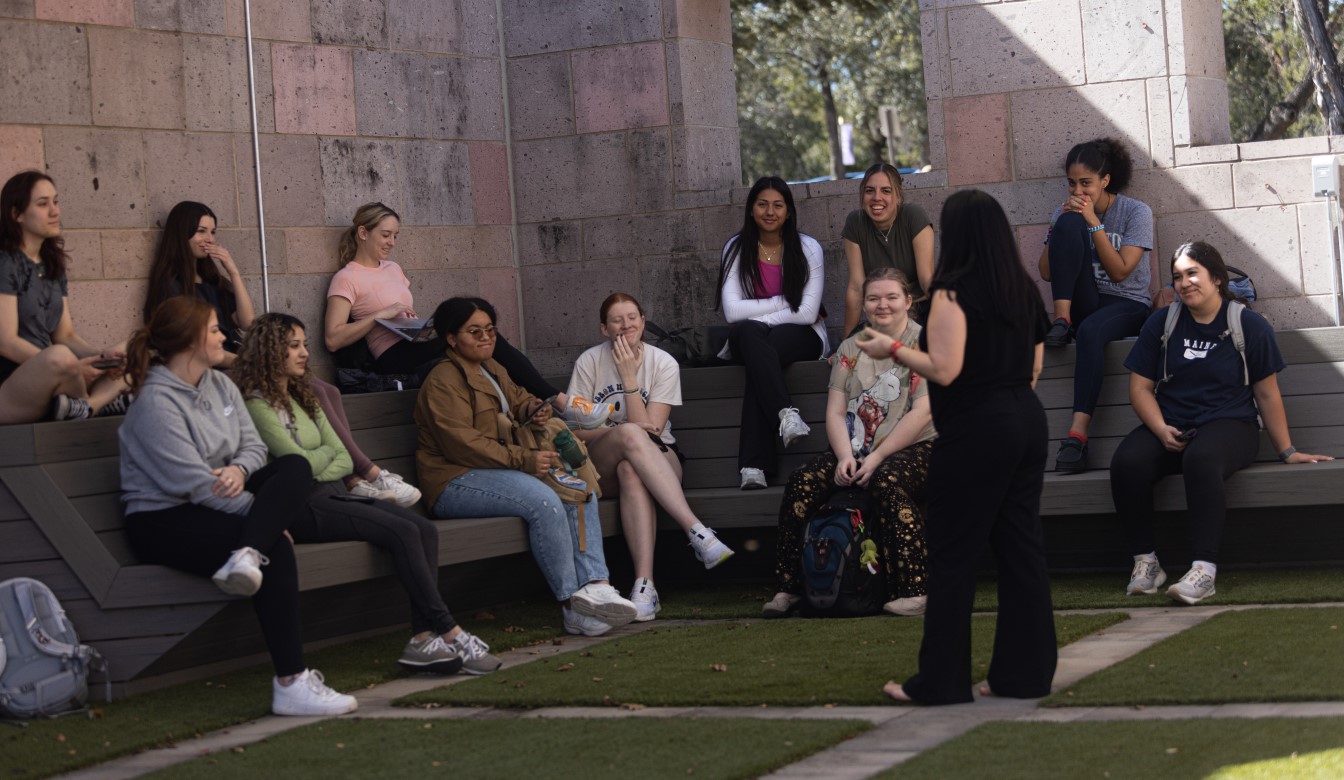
(1194, 587)
(791, 426)
(1146, 578)
(432, 655)
(475, 654)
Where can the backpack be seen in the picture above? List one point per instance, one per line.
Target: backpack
(841, 577)
(44, 670)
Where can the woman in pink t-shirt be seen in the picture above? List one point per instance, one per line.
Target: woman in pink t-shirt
(371, 287)
(770, 285)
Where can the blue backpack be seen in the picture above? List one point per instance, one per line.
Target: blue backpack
(841, 577)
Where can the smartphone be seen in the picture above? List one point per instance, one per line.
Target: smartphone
(109, 363)
(350, 497)
(1188, 435)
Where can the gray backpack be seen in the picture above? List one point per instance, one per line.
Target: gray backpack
(44, 670)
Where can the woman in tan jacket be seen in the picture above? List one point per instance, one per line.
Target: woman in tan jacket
(469, 467)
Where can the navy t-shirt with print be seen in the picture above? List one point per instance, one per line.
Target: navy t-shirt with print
(1207, 381)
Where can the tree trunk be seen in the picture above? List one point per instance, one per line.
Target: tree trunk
(1324, 64)
(832, 117)
(1283, 114)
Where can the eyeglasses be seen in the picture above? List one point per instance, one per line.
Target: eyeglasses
(481, 334)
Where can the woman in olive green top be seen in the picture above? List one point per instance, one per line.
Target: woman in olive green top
(886, 232)
(272, 372)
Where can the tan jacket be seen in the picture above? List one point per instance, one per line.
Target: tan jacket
(458, 427)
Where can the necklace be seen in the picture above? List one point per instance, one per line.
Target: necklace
(771, 259)
(887, 235)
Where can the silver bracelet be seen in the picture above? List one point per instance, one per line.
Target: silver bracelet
(1286, 454)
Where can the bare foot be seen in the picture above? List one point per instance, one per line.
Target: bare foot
(895, 691)
(985, 691)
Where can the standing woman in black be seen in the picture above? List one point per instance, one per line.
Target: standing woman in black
(981, 353)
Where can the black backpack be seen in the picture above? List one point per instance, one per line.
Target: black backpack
(836, 582)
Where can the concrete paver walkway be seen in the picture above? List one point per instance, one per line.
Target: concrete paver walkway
(899, 733)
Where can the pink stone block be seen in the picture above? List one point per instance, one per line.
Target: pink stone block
(245, 246)
(313, 250)
(128, 254)
(302, 295)
(1159, 124)
(86, 258)
(561, 314)
(20, 150)
(111, 12)
(1318, 267)
(137, 78)
(314, 89)
(978, 150)
(1317, 311)
(490, 184)
(281, 20)
(291, 175)
(1278, 183)
(709, 20)
(1192, 188)
(1030, 241)
(1049, 122)
(214, 74)
(191, 166)
(620, 87)
(1264, 242)
(106, 312)
(1124, 40)
(46, 73)
(700, 83)
(933, 42)
(100, 175)
(499, 286)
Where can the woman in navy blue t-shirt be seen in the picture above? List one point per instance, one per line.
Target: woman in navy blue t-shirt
(1199, 415)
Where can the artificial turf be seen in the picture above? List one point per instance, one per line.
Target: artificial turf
(1260, 655)
(1226, 749)
(594, 749)
(752, 663)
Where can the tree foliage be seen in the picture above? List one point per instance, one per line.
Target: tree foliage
(786, 53)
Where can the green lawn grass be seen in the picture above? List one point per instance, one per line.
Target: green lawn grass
(509, 749)
(1269, 655)
(1226, 749)
(781, 663)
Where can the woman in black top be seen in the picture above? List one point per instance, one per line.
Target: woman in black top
(981, 353)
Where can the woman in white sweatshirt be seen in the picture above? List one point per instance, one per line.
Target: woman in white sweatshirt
(199, 496)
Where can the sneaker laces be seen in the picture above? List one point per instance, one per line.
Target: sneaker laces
(318, 685)
(1198, 578)
(1144, 569)
(471, 647)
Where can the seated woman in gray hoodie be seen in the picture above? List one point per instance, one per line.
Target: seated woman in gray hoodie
(200, 497)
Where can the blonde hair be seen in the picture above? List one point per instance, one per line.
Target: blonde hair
(368, 216)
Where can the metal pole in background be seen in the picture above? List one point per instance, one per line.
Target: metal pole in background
(256, 158)
(1332, 203)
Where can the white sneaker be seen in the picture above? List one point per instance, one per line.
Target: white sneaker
(309, 695)
(583, 624)
(604, 603)
(752, 479)
(241, 573)
(1146, 577)
(791, 426)
(366, 489)
(404, 494)
(584, 414)
(708, 548)
(910, 606)
(782, 604)
(1194, 587)
(645, 598)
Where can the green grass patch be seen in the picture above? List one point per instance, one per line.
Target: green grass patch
(509, 749)
(1263, 655)
(780, 662)
(126, 726)
(1070, 591)
(1226, 749)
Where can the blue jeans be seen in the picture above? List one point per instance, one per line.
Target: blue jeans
(552, 525)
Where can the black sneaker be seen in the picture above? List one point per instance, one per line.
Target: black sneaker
(1060, 334)
(63, 407)
(1072, 457)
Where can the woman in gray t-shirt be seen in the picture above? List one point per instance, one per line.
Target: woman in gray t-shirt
(1096, 260)
(47, 370)
(886, 232)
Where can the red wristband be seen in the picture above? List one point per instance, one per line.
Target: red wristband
(895, 345)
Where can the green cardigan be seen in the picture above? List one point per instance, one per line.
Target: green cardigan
(315, 440)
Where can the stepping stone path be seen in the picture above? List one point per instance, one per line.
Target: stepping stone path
(899, 733)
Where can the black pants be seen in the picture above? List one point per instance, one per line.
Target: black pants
(411, 540)
(985, 480)
(1222, 448)
(198, 540)
(405, 357)
(766, 351)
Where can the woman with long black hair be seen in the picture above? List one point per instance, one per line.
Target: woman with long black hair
(981, 353)
(770, 285)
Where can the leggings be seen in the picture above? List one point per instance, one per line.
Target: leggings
(199, 540)
(897, 489)
(766, 351)
(412, 541)
(407, 358)
(329, 397)
(1222, 448)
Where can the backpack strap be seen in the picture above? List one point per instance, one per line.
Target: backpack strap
(1173, 314)
(23, 593)
(1234, 329)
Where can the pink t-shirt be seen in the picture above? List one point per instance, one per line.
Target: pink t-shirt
(369, 291)
(772, 280)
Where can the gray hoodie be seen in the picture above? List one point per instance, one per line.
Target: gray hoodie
(175, 434)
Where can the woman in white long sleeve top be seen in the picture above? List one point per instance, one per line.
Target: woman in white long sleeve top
(770, 285)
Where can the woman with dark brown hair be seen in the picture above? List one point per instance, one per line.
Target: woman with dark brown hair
(47, 370)
(200, 497)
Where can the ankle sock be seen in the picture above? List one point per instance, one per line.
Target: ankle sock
(1211, 568)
